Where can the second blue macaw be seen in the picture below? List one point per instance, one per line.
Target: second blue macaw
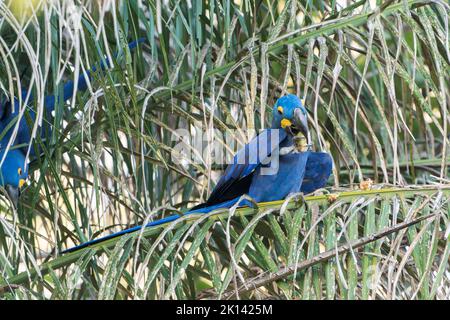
(270, 167)
(14, 170)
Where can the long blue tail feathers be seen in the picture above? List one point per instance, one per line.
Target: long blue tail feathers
(121, 233)
(318, 169)
(168, 219)
(68, 89)
(50, 101)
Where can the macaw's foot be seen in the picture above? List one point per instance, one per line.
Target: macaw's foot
(300, 200)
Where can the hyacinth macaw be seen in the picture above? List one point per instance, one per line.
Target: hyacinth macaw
(14, 170)
(270, 167)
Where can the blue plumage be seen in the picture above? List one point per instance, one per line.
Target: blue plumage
(14, 170)
(262, 169)
(318, 170)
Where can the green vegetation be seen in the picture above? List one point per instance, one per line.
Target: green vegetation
(375, 79)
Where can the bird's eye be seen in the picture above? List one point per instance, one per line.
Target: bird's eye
(280, 110)
(19, 171)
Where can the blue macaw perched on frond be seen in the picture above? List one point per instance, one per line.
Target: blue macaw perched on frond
(272, 166)
(14, 170)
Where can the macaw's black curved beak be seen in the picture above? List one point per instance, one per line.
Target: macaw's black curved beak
(300, 122)
(13, 194)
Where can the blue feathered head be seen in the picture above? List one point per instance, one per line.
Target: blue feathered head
(290, 114)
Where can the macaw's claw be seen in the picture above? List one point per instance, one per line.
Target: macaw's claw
(300, 200)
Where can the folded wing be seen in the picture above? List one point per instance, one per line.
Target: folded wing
(237, 177)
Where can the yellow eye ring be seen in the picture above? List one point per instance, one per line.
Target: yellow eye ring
(19, 171)
(280, 110)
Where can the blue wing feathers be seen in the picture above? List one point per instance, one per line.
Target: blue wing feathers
(318, 169)
(236, 179)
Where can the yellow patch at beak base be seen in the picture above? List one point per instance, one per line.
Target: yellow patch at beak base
(21, 183)
(285, 123)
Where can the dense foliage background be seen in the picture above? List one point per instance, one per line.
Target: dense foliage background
(375, 79)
